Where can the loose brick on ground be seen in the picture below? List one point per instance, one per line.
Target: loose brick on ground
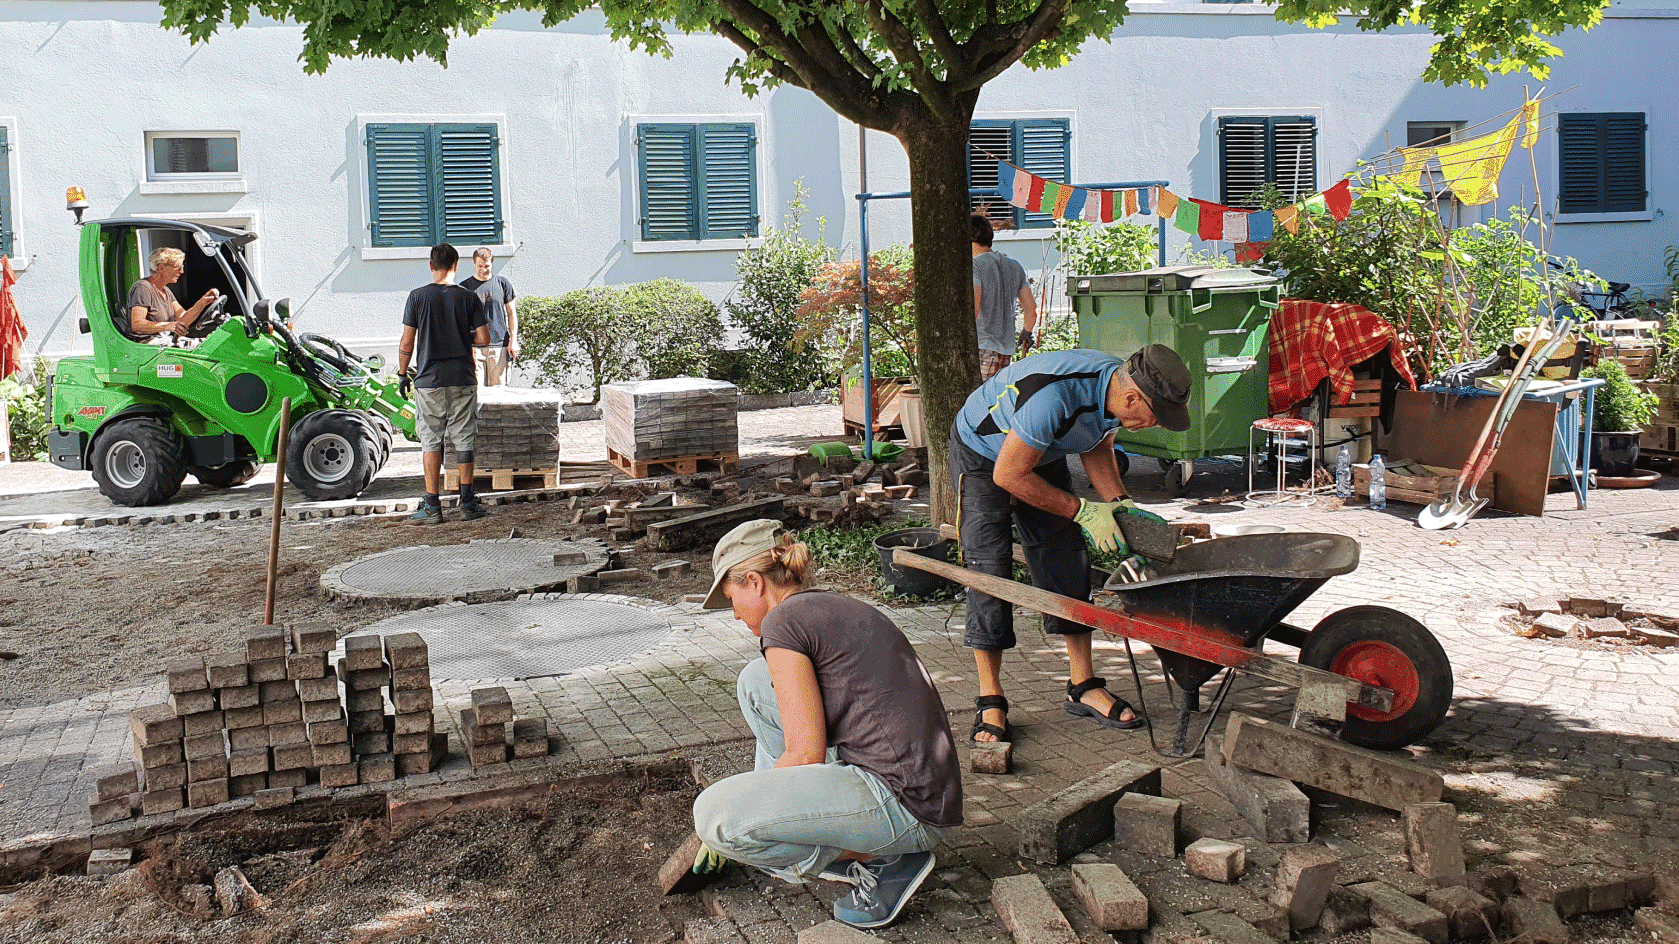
(1469, 915)
(492, 705)
(1147, 824)
(1662, 926)
(1565, 889)
(1392, 908)
(1431, 838)
(992, 758)
(114, 810)
(115, 780)
(103, 862)
(1304, 878)
(1109, 897)
(1082, 815)
(1272, 805)
(834, 932)
(1216, 859)
(1228, 929)
(1534, 922)
(1027, 911)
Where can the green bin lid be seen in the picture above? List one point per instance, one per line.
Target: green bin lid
(1167, 279)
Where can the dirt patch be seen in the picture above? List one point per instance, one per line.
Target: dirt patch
(578, 867)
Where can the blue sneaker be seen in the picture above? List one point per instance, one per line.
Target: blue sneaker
(426, 514)
(884, 885)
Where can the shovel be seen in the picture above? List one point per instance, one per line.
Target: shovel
(1456, 511)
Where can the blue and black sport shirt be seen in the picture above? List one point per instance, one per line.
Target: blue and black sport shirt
(1055, 402)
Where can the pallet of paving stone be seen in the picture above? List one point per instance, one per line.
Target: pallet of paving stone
(504, 480)
(715, 463)
(678, 418)
(518, 428)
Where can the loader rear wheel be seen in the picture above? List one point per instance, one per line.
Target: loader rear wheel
(333, 454)
(139, 461)
(1384, 647)
(226, 476)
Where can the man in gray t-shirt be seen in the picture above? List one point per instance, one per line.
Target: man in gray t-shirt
(999, 283)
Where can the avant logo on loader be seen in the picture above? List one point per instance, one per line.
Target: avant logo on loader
(91, 411)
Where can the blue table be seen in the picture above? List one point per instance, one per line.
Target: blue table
(1571, 449)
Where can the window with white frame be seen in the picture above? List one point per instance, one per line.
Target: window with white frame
(192, 155)
(1040, 146)
(429, 183)
(1275, 150)
(697, 181)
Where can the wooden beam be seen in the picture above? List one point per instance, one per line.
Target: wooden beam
(1209, 645)
(666, 535)
(1098, 576)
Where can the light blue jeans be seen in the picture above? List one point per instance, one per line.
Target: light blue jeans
(793, 822)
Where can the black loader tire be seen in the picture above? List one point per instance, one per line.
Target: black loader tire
(237, 472)
(1378, 645)
(333, 454)
(139, 461)
(387, 436)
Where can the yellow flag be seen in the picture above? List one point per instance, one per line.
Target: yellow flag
(1530, 124)
(1289, 216)
(1416, 161)
(1471, 168)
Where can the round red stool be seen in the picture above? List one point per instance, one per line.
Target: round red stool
(1282, 433)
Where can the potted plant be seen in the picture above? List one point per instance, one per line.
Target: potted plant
(1620, 410)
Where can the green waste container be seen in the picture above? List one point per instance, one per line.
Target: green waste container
(1218, 322)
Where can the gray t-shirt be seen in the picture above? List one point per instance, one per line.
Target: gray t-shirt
(159, 303)
(999, 280)
(495, 294)
(882, 711)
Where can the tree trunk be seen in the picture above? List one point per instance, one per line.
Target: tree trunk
(947, 344)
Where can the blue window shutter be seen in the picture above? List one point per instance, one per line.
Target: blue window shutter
(1292, 155)
(1041, 146)
(989, 141)
(728, 181)
(1623, 162)
(399, 185)
(1580, 163)
(5, 194)
(669, 181)
(469, 183)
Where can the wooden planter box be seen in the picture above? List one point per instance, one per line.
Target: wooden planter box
(886, 403)
(1661, 434)
(1419, 489)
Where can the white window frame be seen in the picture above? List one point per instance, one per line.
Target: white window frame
(14, 170)
(1209, 143)
(509, 246)
(153, 181)
(1553, 148)
(1036, 235)
(631, 160)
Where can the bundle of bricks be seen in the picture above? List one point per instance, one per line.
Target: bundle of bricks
(491, 731)
(666, 419)
(518, 429)
(270, 720)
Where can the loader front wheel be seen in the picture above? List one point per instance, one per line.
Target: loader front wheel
(139, 461)
(333, 454)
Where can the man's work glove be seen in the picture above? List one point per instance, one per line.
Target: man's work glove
(1026, 341)
(405, 384)
(709, 861)
(1129, 507)
(1097, 520)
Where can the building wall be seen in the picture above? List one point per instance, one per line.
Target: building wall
(85, 81)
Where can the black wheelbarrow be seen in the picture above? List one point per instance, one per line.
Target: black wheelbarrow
(1370, 674)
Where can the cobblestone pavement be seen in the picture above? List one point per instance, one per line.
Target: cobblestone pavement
(1569, 750)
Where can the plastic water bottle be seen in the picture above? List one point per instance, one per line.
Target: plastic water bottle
(1378, 483)
(1344, 474)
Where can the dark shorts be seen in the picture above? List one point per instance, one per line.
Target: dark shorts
(988, 518)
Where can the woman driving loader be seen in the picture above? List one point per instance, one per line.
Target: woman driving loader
(152, 308)
(855, 762)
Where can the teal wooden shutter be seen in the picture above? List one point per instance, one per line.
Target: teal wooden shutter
(399, 185)
(1601, 167)
(1623, 163)
(469, 183)
(1041, 146)
(989, 141)
(5, 194)
(669, 181)
(1253, 152)
(728, 181)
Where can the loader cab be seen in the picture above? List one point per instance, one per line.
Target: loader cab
(215, 258)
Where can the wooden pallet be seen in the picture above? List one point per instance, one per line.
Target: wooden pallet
(673, 465)
(504, 480)
(855, 431)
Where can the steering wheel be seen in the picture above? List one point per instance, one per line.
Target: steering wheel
(211, 318)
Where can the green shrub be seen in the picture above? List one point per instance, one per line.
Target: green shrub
(765, 301)
(1088, 248)
(26, 411)
(676, 328)
(1621, 405)
(586, 327)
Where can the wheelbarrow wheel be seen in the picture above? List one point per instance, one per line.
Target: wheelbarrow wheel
(1384, 647)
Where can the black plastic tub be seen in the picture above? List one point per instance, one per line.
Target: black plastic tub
(907, 580)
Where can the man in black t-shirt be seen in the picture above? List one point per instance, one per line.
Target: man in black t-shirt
(497, 295)
(439, 327)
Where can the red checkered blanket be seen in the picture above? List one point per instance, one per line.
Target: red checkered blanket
(1314, 340)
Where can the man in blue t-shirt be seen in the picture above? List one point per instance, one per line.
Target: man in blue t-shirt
(1008, 461)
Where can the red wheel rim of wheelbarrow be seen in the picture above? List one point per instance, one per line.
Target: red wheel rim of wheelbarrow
(1384, 665)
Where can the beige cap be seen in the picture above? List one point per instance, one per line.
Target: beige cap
(737, 547)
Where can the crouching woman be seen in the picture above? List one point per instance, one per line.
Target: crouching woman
(856, 777)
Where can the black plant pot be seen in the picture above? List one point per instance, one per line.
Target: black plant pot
(1614, 454)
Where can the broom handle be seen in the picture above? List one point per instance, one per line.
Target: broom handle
(274, 524)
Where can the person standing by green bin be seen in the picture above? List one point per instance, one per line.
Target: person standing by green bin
(1008, 462)
(999, 284)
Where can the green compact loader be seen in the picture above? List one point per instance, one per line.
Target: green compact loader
(140, 416)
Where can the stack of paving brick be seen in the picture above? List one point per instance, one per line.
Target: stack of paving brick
(272, 719)
(518, 429)
(485, 727)
(665, 419)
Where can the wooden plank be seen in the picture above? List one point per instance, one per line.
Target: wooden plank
(1210, 645)
(1436, 429)
(1098, 576)
(666, 534)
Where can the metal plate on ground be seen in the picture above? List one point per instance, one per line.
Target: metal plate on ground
(542, 635)
(497, 569)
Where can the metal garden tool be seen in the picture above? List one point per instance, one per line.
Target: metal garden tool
(1456, 511)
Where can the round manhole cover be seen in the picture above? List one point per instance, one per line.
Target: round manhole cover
(541, 635)
(481, 570)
